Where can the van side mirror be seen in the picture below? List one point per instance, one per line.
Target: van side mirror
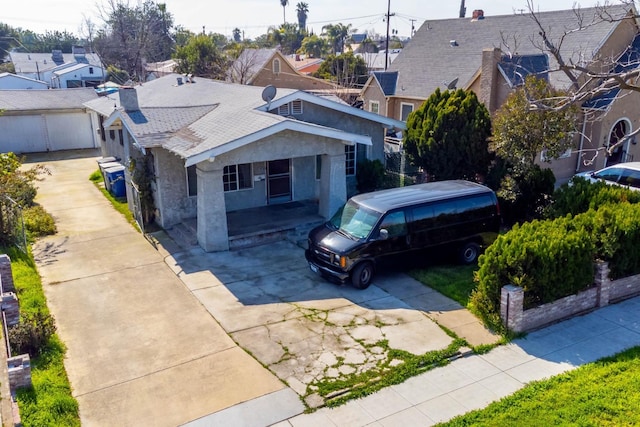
(383, 235)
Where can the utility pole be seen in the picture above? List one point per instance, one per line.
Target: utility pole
(463, 9)
(386, 51)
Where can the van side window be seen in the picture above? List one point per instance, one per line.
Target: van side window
(395, 224)
(422, 217)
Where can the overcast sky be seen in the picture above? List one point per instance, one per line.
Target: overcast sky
(255, 16)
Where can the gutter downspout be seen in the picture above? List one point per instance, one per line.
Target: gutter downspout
(584, 127)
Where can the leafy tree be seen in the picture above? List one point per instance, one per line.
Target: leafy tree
(132, 35)
(116, 75)
(287, 36)
(520, 134)
(346, 69)
(202, 58)
(182, 36)
(448, 136)
(302, 9)
(338, 35)
(284, 4)
(8, 39)
(314, 46)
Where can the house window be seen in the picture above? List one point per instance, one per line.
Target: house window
(237, 177)
(276, 66)
(90, 70)
(374, 107)
(192, 181)
(405, 110)
(318, 167)
(121, 136)
(350, 159)
(112, 134)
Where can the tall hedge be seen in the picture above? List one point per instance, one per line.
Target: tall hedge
(548, 259)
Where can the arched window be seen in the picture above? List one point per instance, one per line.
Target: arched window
(276, 66)
(618, 153)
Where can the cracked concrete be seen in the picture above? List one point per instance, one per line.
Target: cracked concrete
(306, 330)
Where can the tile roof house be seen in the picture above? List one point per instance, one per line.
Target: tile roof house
(491, 55)
(46, 120)
(218, 147)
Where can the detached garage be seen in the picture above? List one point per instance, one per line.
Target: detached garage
(46, 120)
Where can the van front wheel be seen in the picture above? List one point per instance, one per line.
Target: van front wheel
(362, 275)
(469, 253)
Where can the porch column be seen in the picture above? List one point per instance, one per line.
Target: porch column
(213, 234)
(333, 184)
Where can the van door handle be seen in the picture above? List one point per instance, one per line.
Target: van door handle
(408, 239)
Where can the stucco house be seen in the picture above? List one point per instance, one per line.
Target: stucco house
(217, 147)
(41, 66)
(77, 75)
(46, 120)
(13, 81)
(490, 54)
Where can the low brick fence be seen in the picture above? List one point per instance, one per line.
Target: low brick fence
(604, 292)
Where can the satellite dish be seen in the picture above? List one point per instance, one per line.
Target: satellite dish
(452, 85)
(268, 93)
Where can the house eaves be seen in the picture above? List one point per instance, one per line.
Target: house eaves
(343, 108)
(288, 124)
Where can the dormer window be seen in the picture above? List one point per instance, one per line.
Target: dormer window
(276, 66)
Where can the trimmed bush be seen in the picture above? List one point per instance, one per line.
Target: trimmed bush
(370, 175)
(548, 259)
(32, 334)
(583, 195)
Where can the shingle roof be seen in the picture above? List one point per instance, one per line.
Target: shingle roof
(516, 68)
(52, 99)
(432, 57)
(387, 81)
(249, 63)
(40, 62)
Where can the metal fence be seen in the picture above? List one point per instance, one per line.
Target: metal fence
(399, 172)
(12, 229)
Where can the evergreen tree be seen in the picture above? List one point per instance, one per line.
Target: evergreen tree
(448, 136)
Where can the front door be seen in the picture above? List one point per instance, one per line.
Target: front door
(279, 181)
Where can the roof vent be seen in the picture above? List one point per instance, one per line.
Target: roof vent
(56, 56)
(179, 79)
(453, 43)
(478, 14)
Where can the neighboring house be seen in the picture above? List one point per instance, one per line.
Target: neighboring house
(264, 67)
(375, 61)
(216, 147)
(305, 65)
(77, 75)
(464, 53)
(46, 120)
(13, 81)
(159, 69)
(40, 66)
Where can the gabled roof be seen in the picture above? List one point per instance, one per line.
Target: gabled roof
(206, 118)
(73, 68)
(387, 81)
(30, 63)
(516, 68)
(249, 63)
(443, 50)
(375, 61)
(52, 99)
(11, 76)
(629, 60)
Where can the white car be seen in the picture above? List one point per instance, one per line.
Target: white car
(623, 174)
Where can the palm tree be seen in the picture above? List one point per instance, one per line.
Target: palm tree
(337, 35)
(284, 4)
(302, 9)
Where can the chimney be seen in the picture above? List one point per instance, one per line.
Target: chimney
(489, 78)
(128, 98)
(179, 80)
(478, 14)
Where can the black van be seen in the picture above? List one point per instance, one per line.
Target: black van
(458, 214)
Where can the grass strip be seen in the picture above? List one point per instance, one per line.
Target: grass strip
(49, 402)
(119, 203)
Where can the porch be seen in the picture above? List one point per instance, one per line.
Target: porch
(257, 226)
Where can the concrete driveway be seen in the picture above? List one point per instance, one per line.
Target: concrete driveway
(141, 349)
(307, 330)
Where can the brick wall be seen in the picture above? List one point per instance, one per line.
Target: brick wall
(6, 277)
(603, 292)
(19, 371)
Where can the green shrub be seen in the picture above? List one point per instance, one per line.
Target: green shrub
(582, 195)
(370, 175)
(524, 195)
(548, 259)
(38, 222)
(32, 334)
(96, 176)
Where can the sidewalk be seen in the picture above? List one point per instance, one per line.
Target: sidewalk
(475, 381)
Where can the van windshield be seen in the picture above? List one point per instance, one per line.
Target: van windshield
(354, 220)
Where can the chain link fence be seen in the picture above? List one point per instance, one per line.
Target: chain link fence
(12, 229)
(399, 172)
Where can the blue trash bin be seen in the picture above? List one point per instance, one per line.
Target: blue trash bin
(115, 180)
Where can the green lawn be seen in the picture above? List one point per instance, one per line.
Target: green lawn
(604, 393)
(453, 281)
(49, 402)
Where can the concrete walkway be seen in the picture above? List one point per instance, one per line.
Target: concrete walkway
(141, 349)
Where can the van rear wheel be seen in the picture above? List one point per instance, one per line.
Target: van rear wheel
(362, 275)
(469, 253)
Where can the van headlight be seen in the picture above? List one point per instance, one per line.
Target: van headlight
(339, 261)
